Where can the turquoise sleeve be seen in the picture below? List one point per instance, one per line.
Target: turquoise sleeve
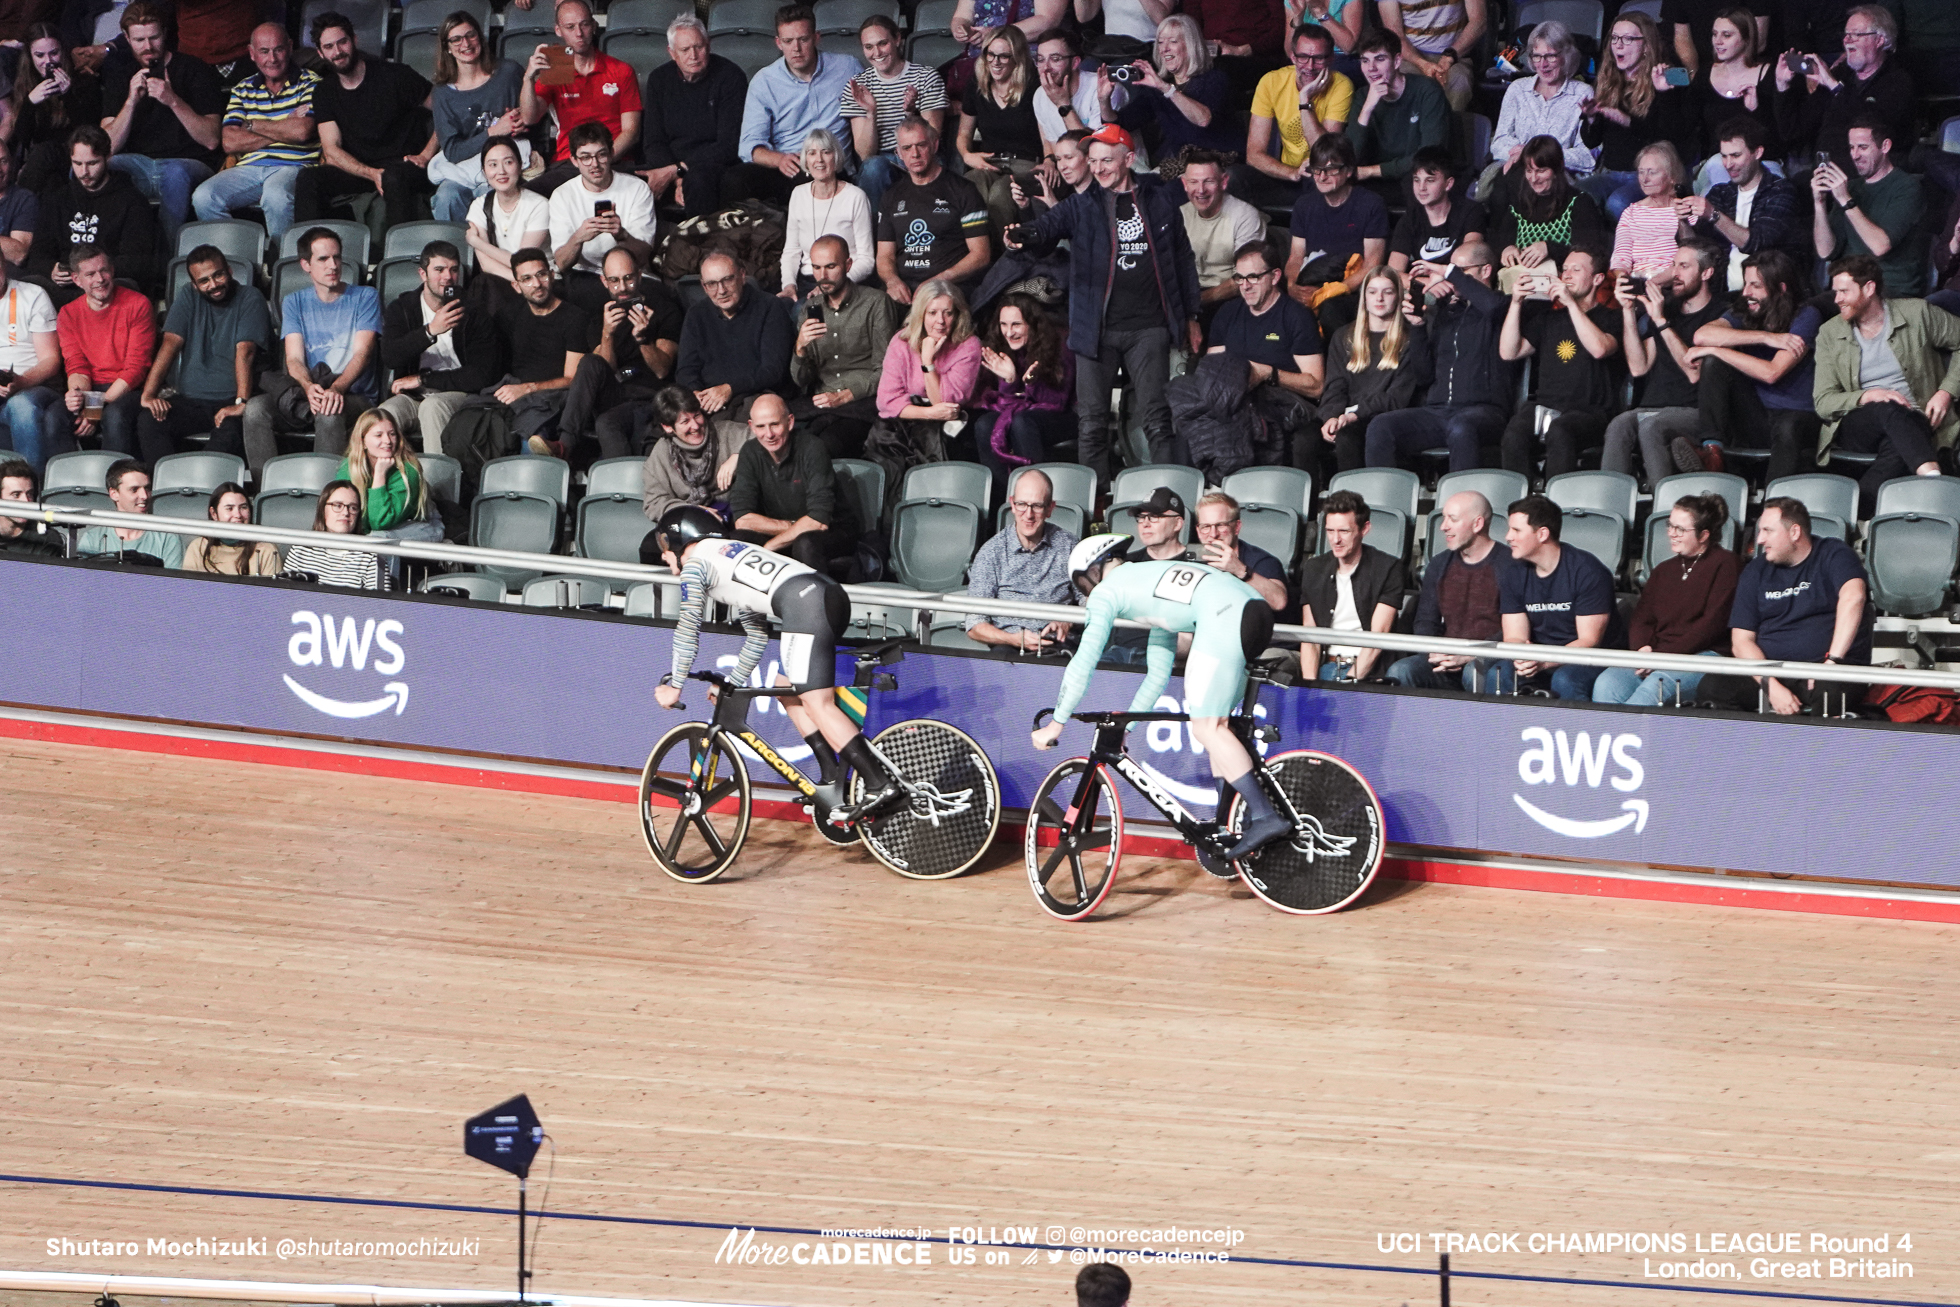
(1095, 636)
(1158, 659)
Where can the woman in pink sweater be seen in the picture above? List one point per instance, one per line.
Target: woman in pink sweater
(935, 357)
(1650, 230)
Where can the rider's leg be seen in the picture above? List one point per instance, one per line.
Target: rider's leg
(828, 772)
(813, 610)
(1214, 681)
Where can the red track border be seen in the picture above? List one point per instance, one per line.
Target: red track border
(1732, 892)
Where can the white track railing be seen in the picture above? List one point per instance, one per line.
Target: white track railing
(884, 596)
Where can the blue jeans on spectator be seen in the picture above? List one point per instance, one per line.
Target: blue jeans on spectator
(166, 183)
(116, 430)
(1473, 677)
(1625, 685)
(876, 174)
(1612, 191)
(452, 201)
(270, 186)
(1566, 681)
(25, 422)
(1395, 438)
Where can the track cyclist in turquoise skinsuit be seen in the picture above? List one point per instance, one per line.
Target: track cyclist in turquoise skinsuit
(1230, 624)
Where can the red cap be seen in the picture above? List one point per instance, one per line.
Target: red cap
(1111, 134)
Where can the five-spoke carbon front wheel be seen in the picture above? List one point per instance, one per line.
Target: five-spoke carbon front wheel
(694, 803)
(1074, 839)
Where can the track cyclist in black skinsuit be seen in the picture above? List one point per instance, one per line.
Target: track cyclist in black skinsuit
(813, 610)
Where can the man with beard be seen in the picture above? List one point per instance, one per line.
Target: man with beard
(1754, 210)
(1657, 329)
(1879, 211)
(639, 338)
(840, 351)
(99, 207)
(220, 332)
(544, 340)
(375, 130)
(440, 351)
(1757, 371)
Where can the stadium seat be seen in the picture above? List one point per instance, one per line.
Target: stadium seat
(1382, 487)
(369, 17)
(1910, 558)
(949, 632)
(610, 527)
(445, 476)
(355, 241)
(750, 51)
(525, 30)
(239, 239)
(933, 541)
(645, 15)
(756, 16)
(307, 471)
(1939, 495)
(934, 16)
(532, 473)
(1605, 492)
(517, 521)
(193, 475)
(1732, 488)
(565, 592)
(1275, 487)
(1275, 530)
(646, 50)
(179, 278)
(181, 505)
(469, 585)
(1500, 487)
(934, 49)
(1820, 492)
(79, 469)
(292, 508)
(1585, 18)
(842, 17)
(1950, 136)
(617, 476)
(863, 482)
(427, 15)
(643, 600)
(1133, 485)
(418, 50)
(393, 276)
(1601, 534)
(1073, 484)
(406, 240)
(950, 480)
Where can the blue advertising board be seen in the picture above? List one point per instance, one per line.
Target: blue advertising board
(1514, 777)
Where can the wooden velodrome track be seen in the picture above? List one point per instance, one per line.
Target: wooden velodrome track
(229, 976)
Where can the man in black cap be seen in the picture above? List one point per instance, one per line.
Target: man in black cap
(1160, 528)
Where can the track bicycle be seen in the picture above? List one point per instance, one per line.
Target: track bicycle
(1074, 840)
(695, 795)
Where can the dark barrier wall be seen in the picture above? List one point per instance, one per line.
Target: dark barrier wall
(1850, 801)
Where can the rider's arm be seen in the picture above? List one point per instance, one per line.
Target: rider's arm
(755, 643)
(1095, 635)
(687, 630)
(1159, 658)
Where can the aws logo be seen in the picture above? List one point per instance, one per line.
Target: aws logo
(1552, 757)
(319, 642)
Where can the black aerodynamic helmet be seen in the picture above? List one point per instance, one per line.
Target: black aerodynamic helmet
(683, 525)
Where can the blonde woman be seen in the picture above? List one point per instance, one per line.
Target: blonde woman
(1375, 365)
(935, 357)
(1650, 231)
(1633, 105)
(389, 477)
(826, 205)
(1182, 93)
(998, 133)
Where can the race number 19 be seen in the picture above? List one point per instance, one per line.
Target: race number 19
(1178, 584)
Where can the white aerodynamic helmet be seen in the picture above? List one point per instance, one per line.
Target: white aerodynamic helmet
(1085, 561)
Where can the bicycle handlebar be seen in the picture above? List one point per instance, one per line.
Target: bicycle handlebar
(727, 686)
(1098, 718)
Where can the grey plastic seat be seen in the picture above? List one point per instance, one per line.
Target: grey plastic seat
(517, 521)
(523, 31)
(428, 15)
(406, 240)
(444, 475)
(750, 51)
(532, 473)
(610, 527)
(1937, 495)
(394, 276)
(842, 17)
(863, 482)
(949, 632)
(1502, 488)
(932, 541)
(1072, 482)
(643, 599)
(292, 508)
(239, 239)
(934, 16)
(1602, 491)
(80, 469)
(757, 16)
(950, 480)
(645, 15)
(565, 592)
(1134, 485)
(617, 476)
(1275, 530)
(1820, 492)
(418, 50)
(934, 49)
(1732, 488)
(1276, 487)
(1382, 487)
(199, 471)
(182, 505)
(1910, 557)
(469, 585)
(1583, 17)
(355, 240)
(1601, 534)
(647, 50)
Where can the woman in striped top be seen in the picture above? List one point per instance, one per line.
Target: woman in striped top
(341, 512)
(1650, 231)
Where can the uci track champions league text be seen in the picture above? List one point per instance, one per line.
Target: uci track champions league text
(976, 1245)
(1717, 1254)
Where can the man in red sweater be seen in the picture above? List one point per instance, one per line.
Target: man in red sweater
(108, 338)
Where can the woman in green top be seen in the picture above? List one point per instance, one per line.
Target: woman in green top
(385, 470)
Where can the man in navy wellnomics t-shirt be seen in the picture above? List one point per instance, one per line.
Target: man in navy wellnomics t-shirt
(1554, 596)
(1801, 599)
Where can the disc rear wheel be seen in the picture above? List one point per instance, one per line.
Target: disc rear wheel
(1337, 848)
(694, 803)
(1074, 840)
(950, 811)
